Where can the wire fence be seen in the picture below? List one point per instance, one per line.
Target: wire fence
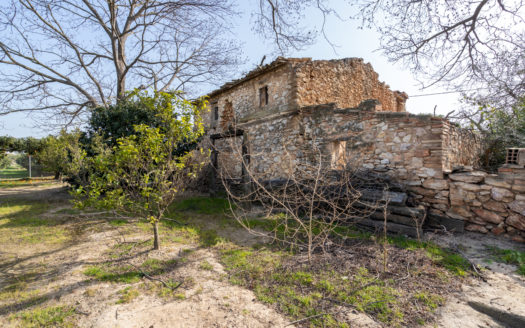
(23, 167)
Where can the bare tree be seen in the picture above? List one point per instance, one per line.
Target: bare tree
(62, 57)
(281, 22)
(307, 205)
(473, 45)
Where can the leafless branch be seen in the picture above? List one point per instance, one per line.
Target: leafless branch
(477, 44)
(305, 203)
(63, 57)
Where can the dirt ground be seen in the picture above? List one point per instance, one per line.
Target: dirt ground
(208, 299)
(501, 287)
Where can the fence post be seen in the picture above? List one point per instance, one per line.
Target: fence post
(29, 166)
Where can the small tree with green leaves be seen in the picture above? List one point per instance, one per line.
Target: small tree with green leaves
(500, 129)
(145, 171)
(5, 161)
(55, 153)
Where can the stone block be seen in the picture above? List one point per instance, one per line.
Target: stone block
(469, 196)
(496, 182)
(462, 211)
(423, 191)
(483, 197)
(422, 152)
(436, 160)
(435, 200)
(441, 207)
(432, 172)
(436, 184)
(495, 206)
(476, 228)
(488, 216)
(467, 186)
(413, 183)
(518, 186)
(517, 221)
(501, 194)
(469, 177)
(474, 202)
(518, 206)
(477, 220)
(457, 197)
(498, 230)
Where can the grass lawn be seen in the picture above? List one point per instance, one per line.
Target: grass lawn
(13, 173)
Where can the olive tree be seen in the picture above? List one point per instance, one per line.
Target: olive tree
(144, 172)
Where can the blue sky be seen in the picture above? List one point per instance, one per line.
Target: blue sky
(351, 41)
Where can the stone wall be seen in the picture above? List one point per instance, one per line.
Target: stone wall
(298, 82)
(489, 202)
(427, 154)
(420, 151)
(455, 142)
(243, 100)
(346, 82)
(409, 146)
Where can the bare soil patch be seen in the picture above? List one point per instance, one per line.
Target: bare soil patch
(90, 271)
(501, 287)
(34, 276)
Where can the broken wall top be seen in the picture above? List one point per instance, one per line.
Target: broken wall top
(297, 82)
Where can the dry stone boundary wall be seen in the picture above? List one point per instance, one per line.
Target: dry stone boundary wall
(492, 203)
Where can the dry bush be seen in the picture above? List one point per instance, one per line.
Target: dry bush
(308, 204)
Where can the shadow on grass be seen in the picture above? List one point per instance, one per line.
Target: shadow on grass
(20, 213)
(202, 205)
(42, 298)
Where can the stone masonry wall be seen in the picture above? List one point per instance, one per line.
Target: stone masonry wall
(409, 146)
(419, 151)
(298, 82)
(244, 98)
(460, 147)
(430, 155)
(489, 202)
(346, 82)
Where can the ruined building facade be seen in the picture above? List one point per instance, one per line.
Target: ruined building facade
(279, 113)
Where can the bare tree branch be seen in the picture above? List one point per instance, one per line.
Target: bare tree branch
(465, 44)
(64, 57)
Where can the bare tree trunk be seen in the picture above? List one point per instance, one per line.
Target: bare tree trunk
(156, 235)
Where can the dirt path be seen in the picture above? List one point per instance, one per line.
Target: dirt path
(503, 289)
(38, 191)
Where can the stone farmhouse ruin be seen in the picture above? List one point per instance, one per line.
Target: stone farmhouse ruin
(278, 113)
